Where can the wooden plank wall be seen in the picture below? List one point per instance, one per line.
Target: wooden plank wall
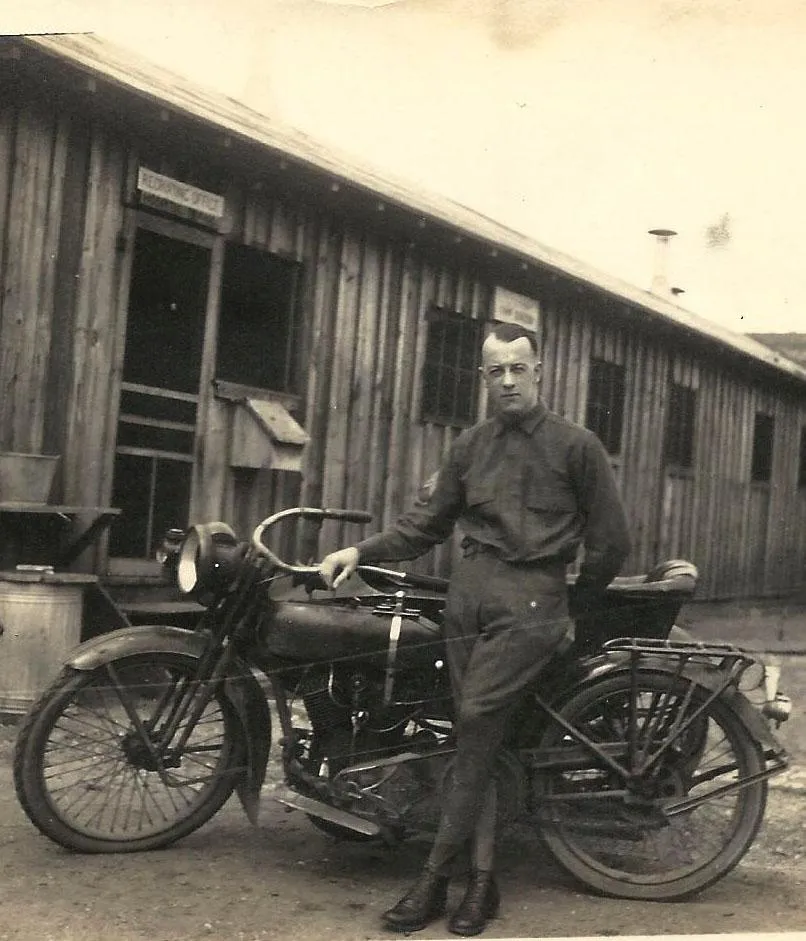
(364, 296)
(58, 228)
(747, 539)
(32, 166)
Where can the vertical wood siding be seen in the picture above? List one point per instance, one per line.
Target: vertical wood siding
(365, 292)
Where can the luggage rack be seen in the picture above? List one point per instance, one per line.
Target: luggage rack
(733, 660)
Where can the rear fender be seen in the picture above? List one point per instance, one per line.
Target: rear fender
(241, 689)
(585, 672)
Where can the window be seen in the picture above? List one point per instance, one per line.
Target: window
(605, 412)
(802, 459)
(257, 330)
(679, 444)
(450, 373)
(763, 433)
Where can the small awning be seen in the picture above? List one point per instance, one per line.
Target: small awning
(266, 435)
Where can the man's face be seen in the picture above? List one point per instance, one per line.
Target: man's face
(512, 373)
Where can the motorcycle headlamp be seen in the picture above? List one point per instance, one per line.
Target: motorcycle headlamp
(208, 560)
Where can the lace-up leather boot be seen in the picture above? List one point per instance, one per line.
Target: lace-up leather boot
(423, 903)
(480, 904)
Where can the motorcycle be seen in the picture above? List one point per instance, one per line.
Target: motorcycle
(639, 756)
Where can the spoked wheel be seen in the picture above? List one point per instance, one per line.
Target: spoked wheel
(678, 828)
(84, 765)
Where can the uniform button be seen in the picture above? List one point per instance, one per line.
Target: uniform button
(532, 604)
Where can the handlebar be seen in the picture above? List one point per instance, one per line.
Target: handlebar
(369, 572)
(312, 514)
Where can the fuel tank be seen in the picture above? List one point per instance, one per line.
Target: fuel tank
(311, 631)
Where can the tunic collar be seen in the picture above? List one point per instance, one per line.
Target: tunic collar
(525, 423)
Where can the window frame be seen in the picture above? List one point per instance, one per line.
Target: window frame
(287, 373)
(680, 431)
(801, 478)
(763, 450)
(605, 375)
(436, 369)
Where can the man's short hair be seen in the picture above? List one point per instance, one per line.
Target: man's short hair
(508, 332)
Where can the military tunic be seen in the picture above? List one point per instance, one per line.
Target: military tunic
(527, 494)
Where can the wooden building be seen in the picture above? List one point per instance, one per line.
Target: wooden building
(210, 316)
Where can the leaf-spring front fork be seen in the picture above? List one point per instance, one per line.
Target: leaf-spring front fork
(184, 699)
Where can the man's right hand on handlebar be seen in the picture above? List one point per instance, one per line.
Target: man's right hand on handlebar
(337, 567)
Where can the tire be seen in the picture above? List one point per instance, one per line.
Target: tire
(630, 850)
(81, 770)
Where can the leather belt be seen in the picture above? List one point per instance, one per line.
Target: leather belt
(472, 547)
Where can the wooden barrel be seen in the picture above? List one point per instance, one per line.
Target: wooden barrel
(41, 615)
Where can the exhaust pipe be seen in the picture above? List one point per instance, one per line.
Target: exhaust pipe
(288, 798)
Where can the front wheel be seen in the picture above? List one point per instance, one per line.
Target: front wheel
(678, 827)
(84, 766)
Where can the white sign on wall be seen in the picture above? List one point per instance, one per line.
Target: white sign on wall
(179, 193)
(515, 308)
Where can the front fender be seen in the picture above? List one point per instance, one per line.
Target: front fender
(241, 689)
(130, 641)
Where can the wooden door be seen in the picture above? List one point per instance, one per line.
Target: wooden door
(159, 398)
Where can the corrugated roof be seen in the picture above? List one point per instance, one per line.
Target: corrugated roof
(135, 74)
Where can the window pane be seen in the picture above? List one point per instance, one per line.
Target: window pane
(132, 493)
(153, 495)
(679, 444)
(158, 407)
(467, 352)
(134, 435)
(446, 401)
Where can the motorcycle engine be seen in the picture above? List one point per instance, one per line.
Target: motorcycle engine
(385, 761)
(353, 729)
(405, 794)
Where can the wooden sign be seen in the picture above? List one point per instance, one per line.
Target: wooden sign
(510, 307)
(180, 194)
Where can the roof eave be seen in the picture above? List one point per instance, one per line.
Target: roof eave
(135, 75)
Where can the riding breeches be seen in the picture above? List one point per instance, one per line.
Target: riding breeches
(503, 623)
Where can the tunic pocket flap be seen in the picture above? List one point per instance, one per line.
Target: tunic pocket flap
(480, 494)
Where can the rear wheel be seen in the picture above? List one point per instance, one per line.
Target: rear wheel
(652, 839)
(86, 776)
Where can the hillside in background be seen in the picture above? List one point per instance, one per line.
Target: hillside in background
(792, 345)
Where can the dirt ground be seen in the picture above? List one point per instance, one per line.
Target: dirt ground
(285, 880)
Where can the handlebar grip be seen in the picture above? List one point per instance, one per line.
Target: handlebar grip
(429, 581)
(409, 579)
(348, 516)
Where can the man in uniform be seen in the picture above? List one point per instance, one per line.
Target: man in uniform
(528, 489)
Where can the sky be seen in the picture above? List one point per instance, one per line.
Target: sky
(581, 123)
